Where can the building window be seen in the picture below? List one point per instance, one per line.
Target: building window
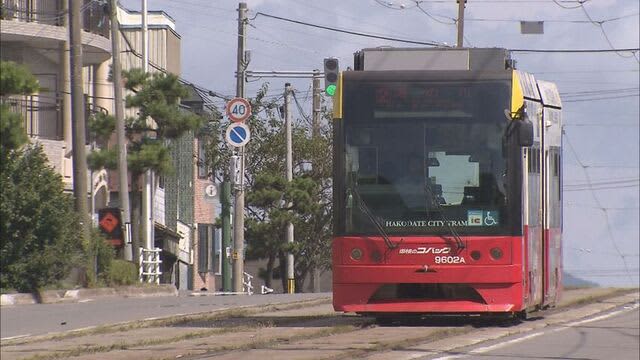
(204, 231)
(203, 169)
(216, 254)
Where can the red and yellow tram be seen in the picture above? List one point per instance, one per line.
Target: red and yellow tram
(447, 185)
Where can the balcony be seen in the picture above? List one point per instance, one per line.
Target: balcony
(40, 23)
(41, 115)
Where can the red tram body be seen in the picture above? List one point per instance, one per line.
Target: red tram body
(447, 185)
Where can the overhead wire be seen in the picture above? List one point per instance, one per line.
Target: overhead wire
(580, 2)
(604, 33)
(598, 203)
(346, 31)
(433, 17)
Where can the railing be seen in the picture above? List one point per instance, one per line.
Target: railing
(41, 11)
(41, 116)
(95, 17)
(247, 283)
(95, 14)
(149, 270)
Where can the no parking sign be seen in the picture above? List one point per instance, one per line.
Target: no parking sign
(238, 134)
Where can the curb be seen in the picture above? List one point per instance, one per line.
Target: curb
(79, 295)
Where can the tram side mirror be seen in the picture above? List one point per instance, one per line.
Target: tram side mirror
(525, 133)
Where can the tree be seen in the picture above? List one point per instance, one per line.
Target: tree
(14, 80)
(38, 242)
(271, 202)
(159, 120)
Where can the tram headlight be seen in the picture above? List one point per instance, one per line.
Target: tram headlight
(475, 255)
(356, 254)
(496, 253)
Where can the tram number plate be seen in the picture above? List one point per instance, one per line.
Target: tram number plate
(449, 260)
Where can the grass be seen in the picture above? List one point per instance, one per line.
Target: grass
(253, 344)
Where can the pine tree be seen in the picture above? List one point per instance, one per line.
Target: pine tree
(159, 120)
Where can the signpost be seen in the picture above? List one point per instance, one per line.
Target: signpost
(238, 109)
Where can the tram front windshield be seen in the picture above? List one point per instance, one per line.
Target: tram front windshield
(424, 157)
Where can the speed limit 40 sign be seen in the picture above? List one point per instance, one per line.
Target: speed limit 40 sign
(238, 109)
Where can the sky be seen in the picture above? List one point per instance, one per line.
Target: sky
(601, 232)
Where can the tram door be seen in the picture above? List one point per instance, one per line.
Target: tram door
(533, 186)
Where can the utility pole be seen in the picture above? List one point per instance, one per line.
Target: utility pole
(315, 133)
(123, 173)
(291, 281)
(147, 189)
(225, 199)
(238, 211)
(461, 4)
(77, 118)
(315, 125)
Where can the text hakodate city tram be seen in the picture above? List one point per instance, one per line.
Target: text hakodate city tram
(447, 185)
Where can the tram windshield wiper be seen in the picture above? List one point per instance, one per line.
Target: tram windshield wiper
(367, 211)
(452, 231)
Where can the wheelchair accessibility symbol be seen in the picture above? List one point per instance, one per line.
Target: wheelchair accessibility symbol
(483, 217)
(489, 220)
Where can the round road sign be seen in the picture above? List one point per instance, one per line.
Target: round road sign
(210, 190)
(238, 134)
(238, 109)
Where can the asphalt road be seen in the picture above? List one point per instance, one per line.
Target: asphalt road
(613, 335)
(30, 320)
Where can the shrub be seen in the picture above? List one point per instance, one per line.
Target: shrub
(122, 272)
(102, 255)
(39, 240)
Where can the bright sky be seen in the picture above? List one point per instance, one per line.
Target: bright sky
(600, 90)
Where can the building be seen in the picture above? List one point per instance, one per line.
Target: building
(35, 33)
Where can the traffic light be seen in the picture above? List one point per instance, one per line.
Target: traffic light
(331, 70)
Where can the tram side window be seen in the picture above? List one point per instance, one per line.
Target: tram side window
(557, 173)
(533, 160)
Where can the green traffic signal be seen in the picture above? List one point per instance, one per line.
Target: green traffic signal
(330, 90)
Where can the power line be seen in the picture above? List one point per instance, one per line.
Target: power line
(580, 2)
(553, 20)
(601, 98)
(598, 203)
(350, 32)
(632, 50)
(433, 17)
(431, 43)
(608, 182)
(604, 33)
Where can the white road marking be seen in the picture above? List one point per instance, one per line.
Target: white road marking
(530, 336)
(14, 337)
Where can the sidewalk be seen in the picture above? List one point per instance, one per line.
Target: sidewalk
(79, 295)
